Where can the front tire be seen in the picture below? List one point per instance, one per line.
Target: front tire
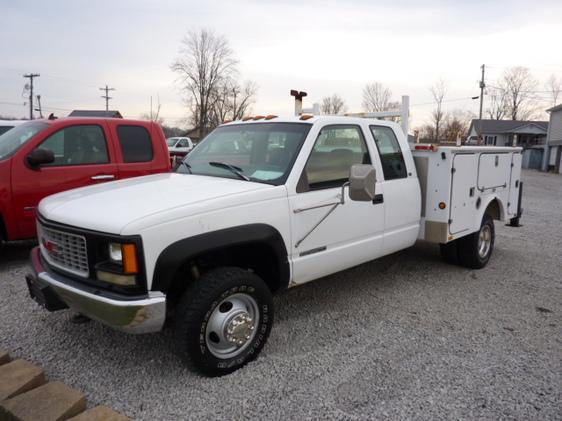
(223, 320)
(476, 249)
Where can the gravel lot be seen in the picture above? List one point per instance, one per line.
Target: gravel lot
(407, 336)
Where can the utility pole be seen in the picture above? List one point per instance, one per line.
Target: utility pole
(106, 96)
(30, 76)
(482, 86)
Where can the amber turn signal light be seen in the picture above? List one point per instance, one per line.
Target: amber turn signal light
(130, 263)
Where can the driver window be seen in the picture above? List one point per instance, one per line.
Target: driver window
(392, 160)
(336, 149)
(77, 145)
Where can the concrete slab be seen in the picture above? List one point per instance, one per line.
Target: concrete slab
(4, 357)
(100, 413)
(19, 376)
(51, 402)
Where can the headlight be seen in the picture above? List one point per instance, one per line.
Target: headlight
(124, 255)
(115, 253)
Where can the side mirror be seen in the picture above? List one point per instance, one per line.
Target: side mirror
(362, 181)
(39, 157)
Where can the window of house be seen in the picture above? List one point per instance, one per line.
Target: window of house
(77, 145)
(392, 160)
(136, 144)
(336, 149)
(490, 140)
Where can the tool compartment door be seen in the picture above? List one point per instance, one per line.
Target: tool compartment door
(463, 193)
(494, 170)
(513, 201)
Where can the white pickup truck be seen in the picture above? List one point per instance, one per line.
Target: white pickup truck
(259, 206)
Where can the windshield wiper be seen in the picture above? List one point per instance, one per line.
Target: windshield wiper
(232, 168)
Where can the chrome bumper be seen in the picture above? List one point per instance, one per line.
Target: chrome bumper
(133, 316)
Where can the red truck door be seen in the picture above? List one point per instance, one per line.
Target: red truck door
(140, 148)
(84, 155)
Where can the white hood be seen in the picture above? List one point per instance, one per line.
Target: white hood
(111, 207)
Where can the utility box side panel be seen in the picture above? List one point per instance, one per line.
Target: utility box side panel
(463, 193)
(515, 185)
(434, 174)
(494, 171)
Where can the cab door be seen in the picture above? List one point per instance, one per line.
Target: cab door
(327, 236)
(83, 157)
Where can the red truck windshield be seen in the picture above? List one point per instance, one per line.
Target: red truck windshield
(15, 138)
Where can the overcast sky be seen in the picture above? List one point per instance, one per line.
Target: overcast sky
(322, 47)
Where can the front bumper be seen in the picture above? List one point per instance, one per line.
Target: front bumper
(55, 292)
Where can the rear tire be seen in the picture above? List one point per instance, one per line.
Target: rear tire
(223, 320)
(476, 249)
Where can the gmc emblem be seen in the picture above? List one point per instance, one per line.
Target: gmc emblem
(51, 246)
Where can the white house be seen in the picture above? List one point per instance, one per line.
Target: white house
(553, 156)
(531, 135)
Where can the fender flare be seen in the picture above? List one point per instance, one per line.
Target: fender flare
(176, 254)
(486, 203)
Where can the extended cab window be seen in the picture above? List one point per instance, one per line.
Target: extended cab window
(392, 160)
(337, 148)
(136, 144)
(77, 145)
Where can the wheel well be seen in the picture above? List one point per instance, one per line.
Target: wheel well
(494, 209)
(257, 257)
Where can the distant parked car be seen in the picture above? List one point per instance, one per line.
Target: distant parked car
(6, 125)
(43, 157)
(179, 146)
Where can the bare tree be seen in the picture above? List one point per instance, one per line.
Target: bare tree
(230, 101)
(376, 97)
(438, 91)
(554, 85)
(519, 86)
(333, 105)
(425, 133)
(243, 98)
(204, 63)
(498, 108)
(456, 124)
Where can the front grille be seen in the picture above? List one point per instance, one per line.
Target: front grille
(64, 250)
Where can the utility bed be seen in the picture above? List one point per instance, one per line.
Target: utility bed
(459, 182)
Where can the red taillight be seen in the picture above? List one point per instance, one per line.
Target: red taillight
(427, 147)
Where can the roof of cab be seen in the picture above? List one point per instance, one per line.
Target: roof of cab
(337, 119)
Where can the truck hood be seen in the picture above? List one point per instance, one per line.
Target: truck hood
(111, 207)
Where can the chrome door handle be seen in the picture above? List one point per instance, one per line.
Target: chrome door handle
(103, 177)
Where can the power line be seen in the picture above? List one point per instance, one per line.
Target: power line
(106, 96)
(30, 76)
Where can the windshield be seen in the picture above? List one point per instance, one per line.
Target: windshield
(15, 138)
(172, 141)
(262, 152)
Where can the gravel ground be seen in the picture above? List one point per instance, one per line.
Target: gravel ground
(407, 336)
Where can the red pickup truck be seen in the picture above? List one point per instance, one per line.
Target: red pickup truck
(43, 157)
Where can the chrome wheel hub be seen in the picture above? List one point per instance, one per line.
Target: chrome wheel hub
(484, 241)
(232, 325)
(239, 329)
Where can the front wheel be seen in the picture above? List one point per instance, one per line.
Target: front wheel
(476, 249)
(223, 320)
